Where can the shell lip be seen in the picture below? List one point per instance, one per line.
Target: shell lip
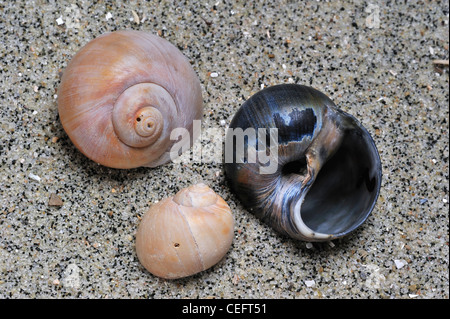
(378, 169)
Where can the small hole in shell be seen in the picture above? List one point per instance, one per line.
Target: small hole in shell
(149, 125)
(138, 119)
(295, 167)
(176, 245)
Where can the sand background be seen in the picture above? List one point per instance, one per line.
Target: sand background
(373, 59)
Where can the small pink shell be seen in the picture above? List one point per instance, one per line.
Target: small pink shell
(185, 234)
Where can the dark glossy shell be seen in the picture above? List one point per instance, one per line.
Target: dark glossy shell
(328, 172)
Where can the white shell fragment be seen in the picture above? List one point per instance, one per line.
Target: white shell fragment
(399, 264)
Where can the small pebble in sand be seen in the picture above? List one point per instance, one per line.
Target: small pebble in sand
(55, 200)
(34, 177)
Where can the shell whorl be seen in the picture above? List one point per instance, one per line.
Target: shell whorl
(141, 113)
(122, 94)
(198, 195)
